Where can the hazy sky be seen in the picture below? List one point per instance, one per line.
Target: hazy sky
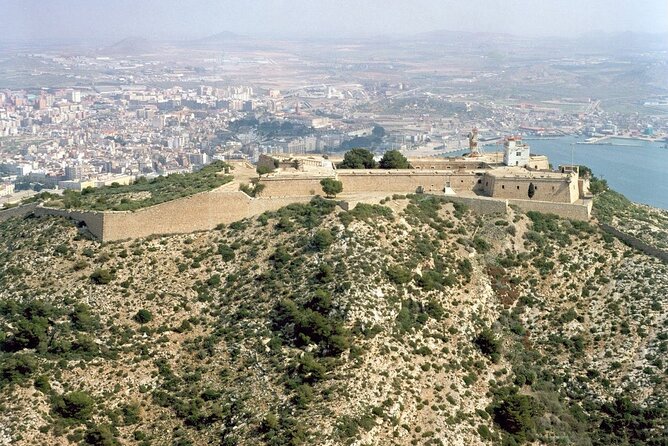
(116, 19)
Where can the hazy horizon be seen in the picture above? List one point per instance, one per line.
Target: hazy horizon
(60, 20)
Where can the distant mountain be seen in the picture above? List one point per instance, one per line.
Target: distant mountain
(445, 34)
(132, 45)
(221, 37)
(623, 41)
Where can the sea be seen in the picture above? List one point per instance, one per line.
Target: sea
(635, 168)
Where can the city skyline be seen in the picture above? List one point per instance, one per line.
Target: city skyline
(95, 20)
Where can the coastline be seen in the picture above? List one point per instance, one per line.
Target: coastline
(609, 140)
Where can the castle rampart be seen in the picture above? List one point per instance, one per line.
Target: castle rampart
(291, 185)
(547, 187)
(94, 220)
(483, 187)
(18, 211)
(574, 211)
(199, 212)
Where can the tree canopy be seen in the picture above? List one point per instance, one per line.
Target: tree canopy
(358, 159)
(378, 131)
(393, 159)
(331, 187)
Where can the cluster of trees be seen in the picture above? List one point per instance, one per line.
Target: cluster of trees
(161, 189)
(270, 129)
(363, 159)
(311, 323)
(414, 314)
(488, 344)
(32, 326)
(253, 189)
(372, 140)
(596, 185)
(515, 413)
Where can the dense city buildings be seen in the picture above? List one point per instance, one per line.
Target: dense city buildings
(121, 113)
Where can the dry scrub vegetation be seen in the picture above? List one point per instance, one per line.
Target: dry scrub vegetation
(411, 322)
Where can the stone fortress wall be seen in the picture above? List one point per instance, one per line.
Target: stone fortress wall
(206, 210)
(405, 181)
(574, 211)
(291, 186)
(546, 187)
(199, 212)
(474, 182)
(372, 181)
(94, 221)
(18, 211)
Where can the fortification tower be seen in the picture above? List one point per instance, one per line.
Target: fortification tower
(515, 152)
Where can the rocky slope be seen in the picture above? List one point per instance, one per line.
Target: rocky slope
(414, 322)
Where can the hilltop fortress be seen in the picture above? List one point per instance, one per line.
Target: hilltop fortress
(496, 175)
(486, 182)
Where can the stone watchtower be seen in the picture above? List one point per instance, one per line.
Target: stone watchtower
(515, 152)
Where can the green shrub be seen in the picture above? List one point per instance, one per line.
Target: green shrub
(100, 435)
(322, 240)
(226, 252)
(82, 319)
(481, 245)
(16, 368)
(488, 344)
(131, 413)
(514, 413)
(143, 316)
(304, 325)
(411, 315)
(42, 384)
(101, 276)
(75, 405)
(398, 274)
(263, 170)
(363, 211)
(214, 280)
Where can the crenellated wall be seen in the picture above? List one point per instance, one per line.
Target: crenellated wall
(373, 181)
(452, 164)
(553, 188)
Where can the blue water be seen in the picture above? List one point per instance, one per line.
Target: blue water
(639, 171)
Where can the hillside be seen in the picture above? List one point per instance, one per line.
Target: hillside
(412, 322)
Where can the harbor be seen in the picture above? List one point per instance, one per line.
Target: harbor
(624, 141)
